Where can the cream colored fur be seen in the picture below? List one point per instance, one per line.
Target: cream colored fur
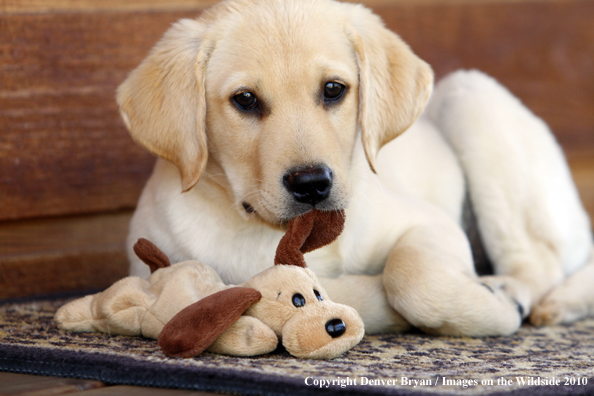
(140, 307)
(402, 259)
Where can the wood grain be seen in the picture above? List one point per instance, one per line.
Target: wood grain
(582, 169)
(543, 52)
(32, 385)
(138, 391)
(64, 149)
(53, 6)
(45, 6)
(59, 255)
(12, 384)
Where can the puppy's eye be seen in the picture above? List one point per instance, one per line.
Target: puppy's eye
(246, 101)
(333, 91)
(298, 300)
(318, 295)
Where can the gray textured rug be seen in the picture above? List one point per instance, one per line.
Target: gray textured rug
(402, 364)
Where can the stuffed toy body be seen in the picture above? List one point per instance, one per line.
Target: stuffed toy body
(189, 309)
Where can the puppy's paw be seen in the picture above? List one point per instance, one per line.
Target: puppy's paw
(546, 313)
(562, 305)
(507, 288)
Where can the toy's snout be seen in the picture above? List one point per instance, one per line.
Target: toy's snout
(322, 331)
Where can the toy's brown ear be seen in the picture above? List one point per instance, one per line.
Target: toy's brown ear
(327, 226)
(306, 233)
(287, 252)
(151, 255)
(197, 326)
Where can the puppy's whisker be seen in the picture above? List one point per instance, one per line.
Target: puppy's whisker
(240, 201)
(246, 197)
(377, 181)
(355, 202)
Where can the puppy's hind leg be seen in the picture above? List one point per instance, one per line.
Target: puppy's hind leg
(570, 301)
(531, 220)
(430, 280)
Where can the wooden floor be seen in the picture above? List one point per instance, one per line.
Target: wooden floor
(35, 385)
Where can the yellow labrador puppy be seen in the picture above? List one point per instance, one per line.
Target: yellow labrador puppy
(262, 110)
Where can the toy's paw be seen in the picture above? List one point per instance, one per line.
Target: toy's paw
(246, 337)
(117, 310)
(76, 315)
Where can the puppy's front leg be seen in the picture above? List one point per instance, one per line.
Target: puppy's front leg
(367, 295)
(429, 279)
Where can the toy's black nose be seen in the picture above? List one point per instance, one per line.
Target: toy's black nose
(309, 185)
(335, 327)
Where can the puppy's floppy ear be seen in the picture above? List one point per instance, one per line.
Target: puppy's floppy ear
(394, 84)
(162, 101)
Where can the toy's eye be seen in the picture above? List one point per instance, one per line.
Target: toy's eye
(318, 295)
(298, 300)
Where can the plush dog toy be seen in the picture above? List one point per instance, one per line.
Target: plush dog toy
(188, 309)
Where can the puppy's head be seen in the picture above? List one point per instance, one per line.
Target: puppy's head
(268, 98)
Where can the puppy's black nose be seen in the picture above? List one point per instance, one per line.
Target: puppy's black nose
(309, 185)
(335, 327)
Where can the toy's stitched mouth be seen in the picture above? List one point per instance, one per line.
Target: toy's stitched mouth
(348, 341)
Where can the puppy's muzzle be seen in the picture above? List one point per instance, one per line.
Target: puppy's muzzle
(309, 185)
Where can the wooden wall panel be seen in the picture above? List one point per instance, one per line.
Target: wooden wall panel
(64, 149)
(61, 255)
(52, 6)
(543, 52)
(45, 6)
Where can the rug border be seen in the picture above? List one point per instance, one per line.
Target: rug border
(115, 370)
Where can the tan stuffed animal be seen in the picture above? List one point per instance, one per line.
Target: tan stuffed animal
(189, 309)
